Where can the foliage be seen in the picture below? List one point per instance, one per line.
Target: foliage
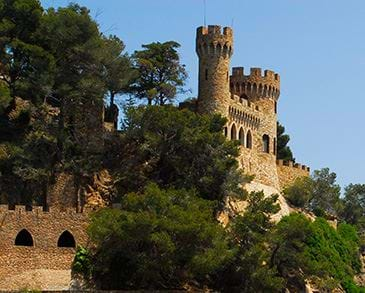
(176, 148)
(283, 150)
(326, 193)
(304, 250)
(158, 239)
(5, 100)
(118, 73)
(82, 261)
(318, 193)
(354, 206)
(26, 67)
(300, 192)
(161, 76)
(249, 270)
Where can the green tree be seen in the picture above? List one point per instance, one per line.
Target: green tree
(326, 193)
(250, 271)
(300, 192)
(354, 205)
(283, 150)
(159, 239)
(161, 76)
(288, 244)
(318, 193)
(73, 38)
(25, 66)
(176, 148)
(304, 250)
(118, 72)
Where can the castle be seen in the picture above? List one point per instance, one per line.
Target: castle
(32, 241)
(249, 102)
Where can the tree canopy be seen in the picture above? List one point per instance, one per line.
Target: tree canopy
(283, 150)
(161, 76)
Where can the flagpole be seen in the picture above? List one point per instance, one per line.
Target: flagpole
(205, 13)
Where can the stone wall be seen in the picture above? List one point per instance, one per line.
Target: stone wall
(248, 123)
(289, 171)
(45, 229)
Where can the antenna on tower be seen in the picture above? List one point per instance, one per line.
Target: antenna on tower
(205, 13)
(232, 23)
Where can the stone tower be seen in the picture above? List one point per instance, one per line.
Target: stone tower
(214, 49)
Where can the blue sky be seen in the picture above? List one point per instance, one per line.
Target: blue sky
(317, 46)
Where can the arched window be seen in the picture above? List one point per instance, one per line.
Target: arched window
(66, 240)
(206, 74)
(266, 143)
(233, 132)
(225, 131)
(24, 238)
(241, 136)
(249, 140)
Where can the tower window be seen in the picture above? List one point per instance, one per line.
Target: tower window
(266, 143)
(225, 131)
(276, 107)
(241, 136)
(206, 74)
(233, 132)
(249, 140)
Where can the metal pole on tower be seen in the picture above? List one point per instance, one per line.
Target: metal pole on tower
(205, 13)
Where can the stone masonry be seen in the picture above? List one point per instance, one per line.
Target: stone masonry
(48, 246)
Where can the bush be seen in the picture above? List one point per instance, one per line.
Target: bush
(300, 192)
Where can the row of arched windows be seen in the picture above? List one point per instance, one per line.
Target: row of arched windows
(24, 238)
(246, 140)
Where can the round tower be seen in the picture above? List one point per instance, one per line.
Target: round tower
(214, 49)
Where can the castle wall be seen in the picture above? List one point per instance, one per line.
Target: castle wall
(252, 120)
(288, 172)
(45, 229)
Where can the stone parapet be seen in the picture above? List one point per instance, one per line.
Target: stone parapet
(289, 171)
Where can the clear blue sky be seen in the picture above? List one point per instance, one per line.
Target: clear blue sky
(317, 46)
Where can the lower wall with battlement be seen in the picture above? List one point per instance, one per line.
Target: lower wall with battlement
(259, 164)
(289, 171)
(45, 229)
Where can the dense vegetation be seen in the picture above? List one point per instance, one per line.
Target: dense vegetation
(172, 169)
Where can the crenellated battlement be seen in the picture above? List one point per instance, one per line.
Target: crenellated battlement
(212, 41)
(255, 85)
(291, 164)
(35, 210)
